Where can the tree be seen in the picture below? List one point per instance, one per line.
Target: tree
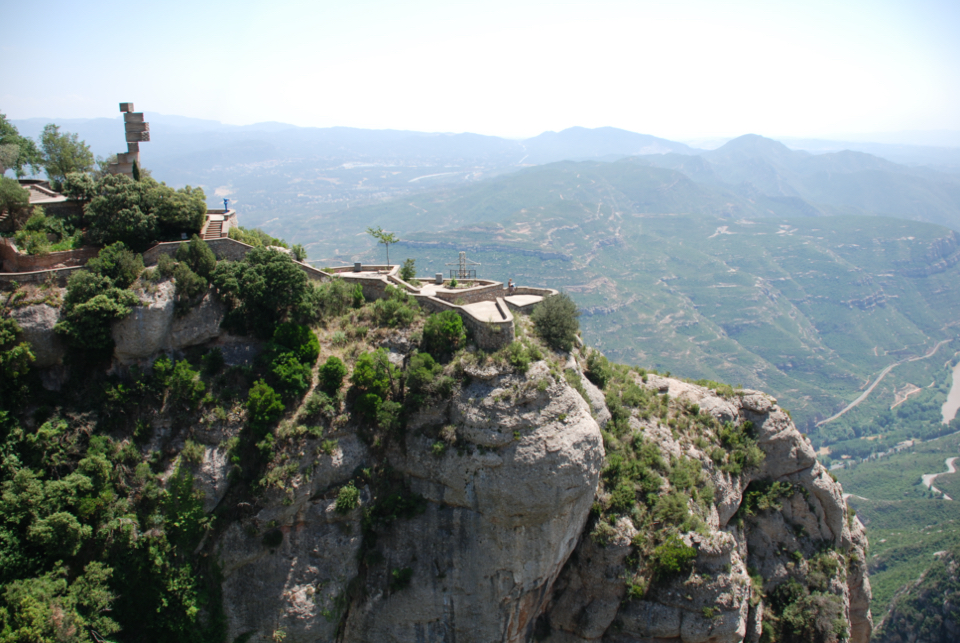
(13, 198)
(555, 320)
(408, 271)
(118, 263)
(198, 256)
(136, 212)
(63, 153)
(386, 238)
(444, 333)
(265, 288)
(16, 152)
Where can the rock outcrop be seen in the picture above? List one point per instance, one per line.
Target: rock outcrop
(154, 326)
(504, 545)
(715, 603)
(36, 324)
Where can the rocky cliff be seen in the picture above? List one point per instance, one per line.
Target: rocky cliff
(536, 497)
(511, 540)
(926, 611)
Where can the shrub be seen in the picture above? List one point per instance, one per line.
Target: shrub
(331, 375)
(264, 407)
(444, 333)
(373, 373)
(520, 355)
(299, 252)
(136, 212)
(393, 312)
(408, 271)
(400, 578)
(599, 370)
(320, 404)
(166, 265)
(190, 286)
(198, 256)
(266, 288)
(422, 372)
(185, 387)
(672, 557)
(118, 263)
(90, 304)
(291, 376)
(213, 361)
(348, 499)
(299, 340)
(335, 297)
(192, 452)
(357, 296)
(254, 237)
(555, 321)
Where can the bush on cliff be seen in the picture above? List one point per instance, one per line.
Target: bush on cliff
(444, 334)
(555, 321)
(117, 262)
(265, 288)
(198, 256)
(331, 375)
(91, 303)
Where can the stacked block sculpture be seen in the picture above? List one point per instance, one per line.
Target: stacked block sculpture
(137, 131)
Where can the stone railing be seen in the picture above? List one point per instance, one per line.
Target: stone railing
(59, 275)
(15, 261)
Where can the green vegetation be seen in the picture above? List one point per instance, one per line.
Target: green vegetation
(555, 321)
(33, 237)
(444, 333)
(263, 289)
(63, 153)
(906, 522)
(16, 152)
(91, 303)
(386, 238)
(348, 499)
(140, 212)
(254, 237)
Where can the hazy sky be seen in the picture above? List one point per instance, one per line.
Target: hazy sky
(511, 68)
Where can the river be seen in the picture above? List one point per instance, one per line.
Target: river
(952, 405)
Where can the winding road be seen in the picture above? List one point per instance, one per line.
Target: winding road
(928, 478)
(883, 374)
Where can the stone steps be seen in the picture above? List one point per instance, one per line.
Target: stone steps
(214, 230)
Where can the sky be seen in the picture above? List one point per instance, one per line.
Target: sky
(680, 70)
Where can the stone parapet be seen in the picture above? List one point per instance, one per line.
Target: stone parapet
(15, 261)
(59, 275)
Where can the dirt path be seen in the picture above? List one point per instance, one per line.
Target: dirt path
(928, 478)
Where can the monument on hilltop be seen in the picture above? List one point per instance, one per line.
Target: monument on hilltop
(136, 132)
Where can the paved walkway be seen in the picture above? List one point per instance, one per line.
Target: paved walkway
(484, 310)
(523, 300)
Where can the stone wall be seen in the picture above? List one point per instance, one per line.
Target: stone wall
(485, 292)
(59, 275)
(14, 261)
(487, 335)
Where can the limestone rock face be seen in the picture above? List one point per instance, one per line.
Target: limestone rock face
(142, 333)
(154, 326)
(715, 603)
(36, 324)
(288, 566)
(200, 324)
(507, 501)
(502, 546)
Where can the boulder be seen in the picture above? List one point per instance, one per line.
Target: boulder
(36, 325)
